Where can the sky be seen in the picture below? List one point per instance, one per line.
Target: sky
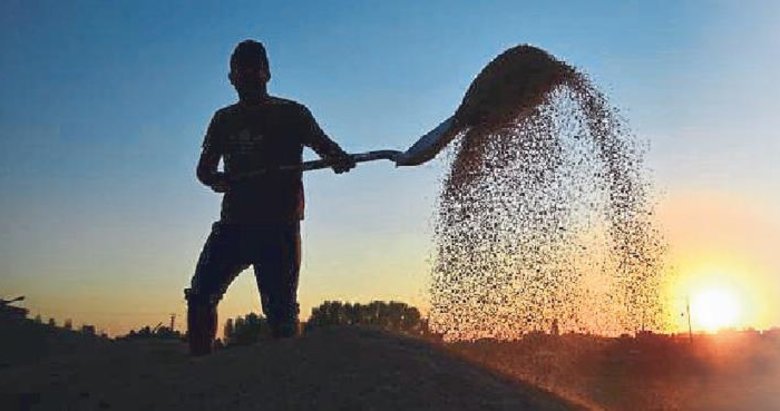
(104, 105)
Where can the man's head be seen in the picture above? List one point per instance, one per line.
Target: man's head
(249, 70)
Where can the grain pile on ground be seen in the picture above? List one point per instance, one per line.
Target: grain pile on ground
(545, 215)
(329, 369)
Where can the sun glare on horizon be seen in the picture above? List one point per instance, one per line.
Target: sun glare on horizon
(721, 291)
(715, 308)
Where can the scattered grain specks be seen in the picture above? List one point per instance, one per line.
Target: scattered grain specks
(548, 217)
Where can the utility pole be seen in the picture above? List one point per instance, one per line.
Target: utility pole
(173, 320)
(688, 310)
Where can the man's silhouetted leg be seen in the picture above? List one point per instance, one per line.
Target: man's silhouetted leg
(201, 328)
(277, 278)
(219, 263)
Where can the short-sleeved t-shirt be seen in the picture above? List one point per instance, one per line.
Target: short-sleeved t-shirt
(265, 136)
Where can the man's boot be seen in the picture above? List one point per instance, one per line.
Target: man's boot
(201, 328)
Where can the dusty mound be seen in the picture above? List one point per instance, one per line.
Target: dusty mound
(25, 342)
(343, 368)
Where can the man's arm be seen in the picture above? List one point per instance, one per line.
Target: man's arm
(326, 148)
(208, 163)
(207, 170)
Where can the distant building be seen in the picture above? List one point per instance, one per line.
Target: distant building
(772, 333)
(11, 312)
(554, 328)
(647, 336)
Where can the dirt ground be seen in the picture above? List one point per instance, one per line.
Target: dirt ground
(339, 369)
(727, 371)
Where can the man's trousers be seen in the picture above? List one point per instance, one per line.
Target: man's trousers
(274, 251)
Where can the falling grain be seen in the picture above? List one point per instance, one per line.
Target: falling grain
(545, 214)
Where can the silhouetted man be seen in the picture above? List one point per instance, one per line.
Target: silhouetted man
(260, 218)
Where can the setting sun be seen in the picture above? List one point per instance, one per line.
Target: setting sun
(721, 290)
(715, 308)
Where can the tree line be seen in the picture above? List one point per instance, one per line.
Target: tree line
(159, 332)
(390, 316)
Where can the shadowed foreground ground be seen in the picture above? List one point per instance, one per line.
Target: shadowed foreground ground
(342, 368)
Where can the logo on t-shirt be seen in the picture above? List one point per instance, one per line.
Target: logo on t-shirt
(245, 142)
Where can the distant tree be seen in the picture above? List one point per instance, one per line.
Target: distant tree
(412, 320)
(38, 319)
(159, 332)
(425, 331)
(88, 329)
(352, 313)
(228, 330)
(335, 313)
(68, 324)
(246, 330)
(166, 333)
(393, 316)
(372, 314)
(52, 323)
(252, 319)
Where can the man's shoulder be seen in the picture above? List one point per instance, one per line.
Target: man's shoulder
(272, 102)
(227, 110)
(280, 101)
(287, 104)
(221, 114)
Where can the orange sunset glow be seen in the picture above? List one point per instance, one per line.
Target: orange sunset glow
(717, 299)
(723, 261)
(437, 205)
(715, 308)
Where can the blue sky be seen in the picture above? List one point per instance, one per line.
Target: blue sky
(104, 105)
